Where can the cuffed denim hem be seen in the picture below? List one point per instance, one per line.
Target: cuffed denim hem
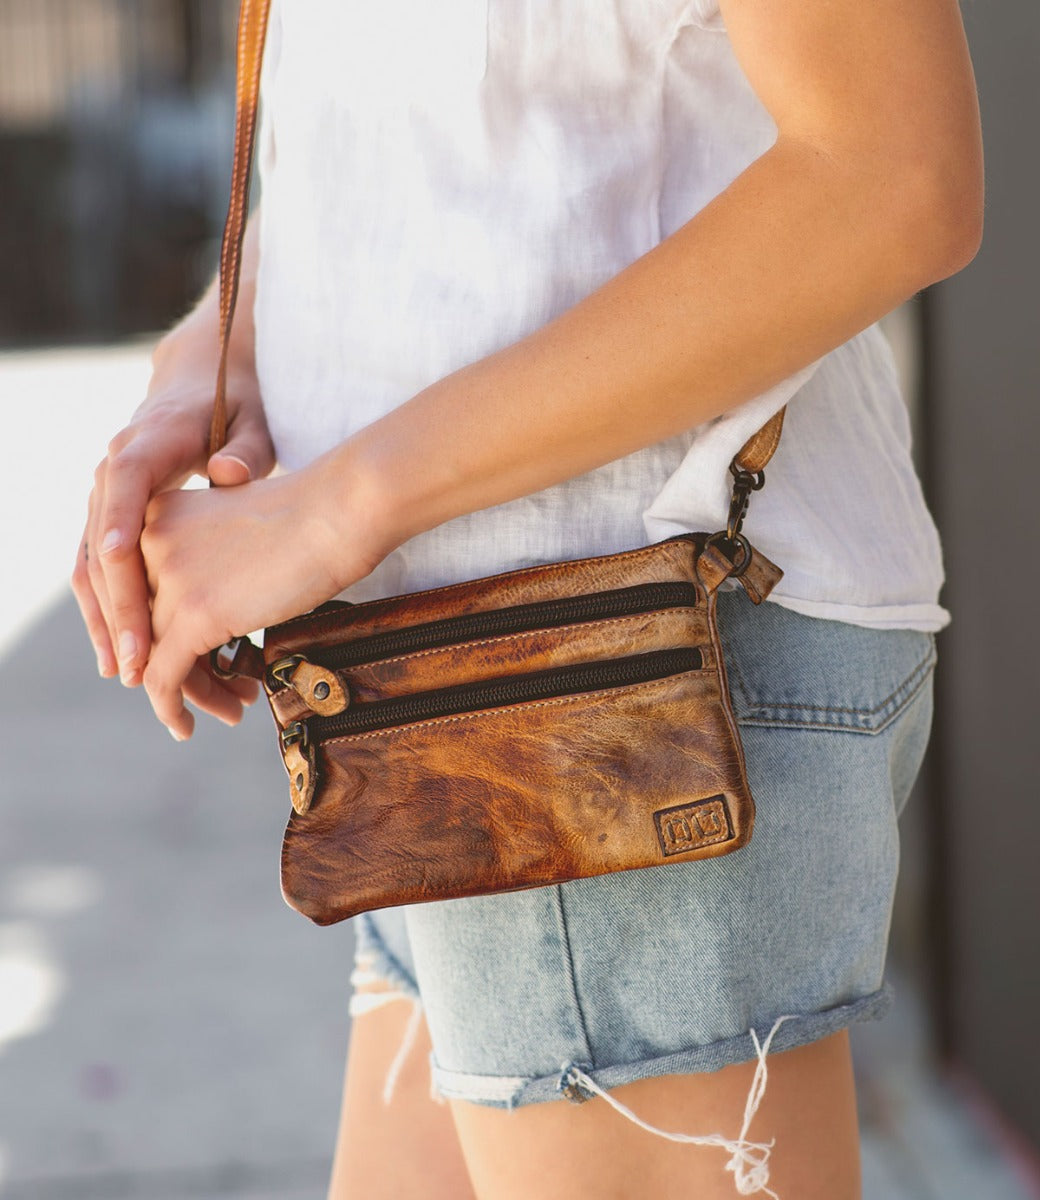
(505, 1091)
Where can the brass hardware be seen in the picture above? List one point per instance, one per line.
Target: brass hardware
(744, 483)
(294, 735)
(737, 549)
(300, 764)
(222, 659)
(322, 690)
(282, 670)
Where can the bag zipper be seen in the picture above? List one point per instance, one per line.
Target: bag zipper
(475, 697)
(521, 618)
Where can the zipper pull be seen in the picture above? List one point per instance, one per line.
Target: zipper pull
(322, 690)
(298, 756)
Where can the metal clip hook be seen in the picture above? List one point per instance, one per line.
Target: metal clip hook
(281, 671)
(294, 735)
(744, 483)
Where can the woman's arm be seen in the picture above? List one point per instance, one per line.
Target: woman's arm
(872, 190)
(165, 442)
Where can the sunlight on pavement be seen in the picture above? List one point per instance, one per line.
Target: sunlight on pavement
(30, 982)
(45, 890)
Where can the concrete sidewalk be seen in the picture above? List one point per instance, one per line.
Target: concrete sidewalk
(168, 1028)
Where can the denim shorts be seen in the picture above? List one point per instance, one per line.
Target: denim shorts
(681, 968)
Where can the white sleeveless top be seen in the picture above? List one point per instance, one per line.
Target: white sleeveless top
(440, 179)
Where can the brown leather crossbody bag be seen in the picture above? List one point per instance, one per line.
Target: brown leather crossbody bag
(549, 723)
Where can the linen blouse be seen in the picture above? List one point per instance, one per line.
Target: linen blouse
(439, 180)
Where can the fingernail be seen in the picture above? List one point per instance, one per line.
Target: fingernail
(104, 666)
(112, 540)
(241, 462)
(127, 647)
(127, 654)
(176, 735)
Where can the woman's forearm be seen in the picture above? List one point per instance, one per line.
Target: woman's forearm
(872, 190)
(796, 256)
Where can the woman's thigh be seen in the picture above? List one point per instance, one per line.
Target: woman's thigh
(565, 1152)
(410, 1147)
(394, 1143)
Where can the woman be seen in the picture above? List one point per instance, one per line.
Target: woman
(524, 278)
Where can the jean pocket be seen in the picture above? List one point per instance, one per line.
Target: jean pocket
(793, 671)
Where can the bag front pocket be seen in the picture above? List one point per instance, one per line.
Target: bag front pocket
(542, 790)
(482, 646)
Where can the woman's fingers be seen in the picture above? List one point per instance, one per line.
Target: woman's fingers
(224, 560)
(247, 690)
(139, 463)
(90, 610)
(128, 483)
(157, 449)
(224, 699)
(176, 673)
(128, 609)
(247, 454)
(164, 679)
(164, 443)
(228, 470)
(95, 571)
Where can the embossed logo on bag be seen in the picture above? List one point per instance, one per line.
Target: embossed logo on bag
(691, 826)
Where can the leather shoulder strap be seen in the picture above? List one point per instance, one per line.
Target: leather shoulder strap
(760, 447)
(252, 33)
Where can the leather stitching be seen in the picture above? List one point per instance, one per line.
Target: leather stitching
(508, 710)
(514, 637)
(757, 462)
(539, 568)
(762, 712)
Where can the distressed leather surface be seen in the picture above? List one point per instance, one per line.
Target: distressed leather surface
(761, 445)
(669, 560)
(513, 654)
(518, 797)
(526, 794)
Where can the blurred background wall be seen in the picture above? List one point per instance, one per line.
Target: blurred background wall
(114, 119)
(981, 355)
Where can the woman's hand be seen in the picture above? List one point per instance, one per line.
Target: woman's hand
(225, 561)
(165, 443)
